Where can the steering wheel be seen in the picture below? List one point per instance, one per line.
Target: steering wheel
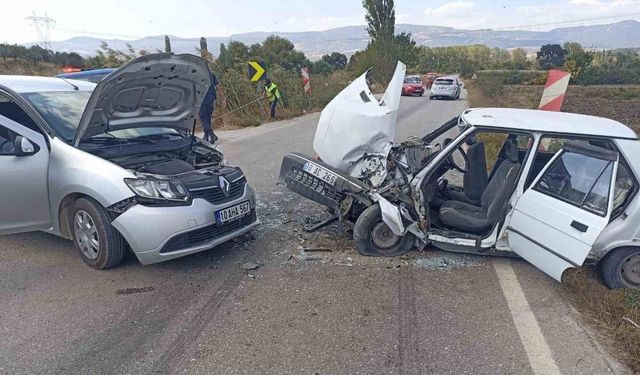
(452, 162)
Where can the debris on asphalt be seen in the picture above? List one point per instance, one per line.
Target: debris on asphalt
(249, 266)
(445, 262)
(316, 249)
(128, 291)
(304, 257)
(344, 264)
(252, 276)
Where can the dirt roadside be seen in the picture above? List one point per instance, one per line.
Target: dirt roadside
(614, 314)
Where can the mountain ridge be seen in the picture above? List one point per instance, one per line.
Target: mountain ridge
(349, 39)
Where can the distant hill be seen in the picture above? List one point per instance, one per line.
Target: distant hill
(349, 39)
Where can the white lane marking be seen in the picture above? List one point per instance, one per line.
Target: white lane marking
(531, 336)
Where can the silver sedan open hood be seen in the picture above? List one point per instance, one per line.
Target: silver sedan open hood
(157, 90)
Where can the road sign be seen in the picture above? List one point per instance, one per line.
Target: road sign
(554, 90)
(306, 80)
(256, 70)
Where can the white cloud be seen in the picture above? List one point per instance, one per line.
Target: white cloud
(454, 8)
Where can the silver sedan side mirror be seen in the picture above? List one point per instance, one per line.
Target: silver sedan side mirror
(24, 147)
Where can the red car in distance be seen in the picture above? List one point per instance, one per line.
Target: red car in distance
(412, 86)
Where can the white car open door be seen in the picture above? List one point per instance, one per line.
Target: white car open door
(559, 217)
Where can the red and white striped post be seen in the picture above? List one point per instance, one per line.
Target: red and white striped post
(306, 81)
(554, 90)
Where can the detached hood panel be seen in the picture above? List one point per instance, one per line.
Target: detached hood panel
(356, 131)
(158, 90)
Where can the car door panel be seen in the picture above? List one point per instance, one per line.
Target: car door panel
(24, 194)
(553, 232)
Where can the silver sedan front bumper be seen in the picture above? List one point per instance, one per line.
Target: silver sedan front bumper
(157, 234)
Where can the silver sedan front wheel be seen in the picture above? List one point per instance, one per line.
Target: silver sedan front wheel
(99, 244)
(86, 235)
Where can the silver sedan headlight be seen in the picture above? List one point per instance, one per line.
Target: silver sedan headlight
(159, 191)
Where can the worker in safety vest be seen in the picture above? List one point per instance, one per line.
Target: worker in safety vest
(273, 94)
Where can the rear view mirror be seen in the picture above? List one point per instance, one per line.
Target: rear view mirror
(24, 147)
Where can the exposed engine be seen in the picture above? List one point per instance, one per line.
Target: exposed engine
(172, 162)
(199, 167)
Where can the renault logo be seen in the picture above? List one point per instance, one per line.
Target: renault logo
(224, 185)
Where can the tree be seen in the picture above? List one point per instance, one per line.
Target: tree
(551, 56)
(276, 50)
(322, 67)
(233, 54)
(385, 48)
(381, 18)
(167, 44)
(519, 59)
(578, 61)
(335, 60)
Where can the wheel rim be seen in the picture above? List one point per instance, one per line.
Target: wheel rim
(630, 270)
(383, 237)
(86, 234)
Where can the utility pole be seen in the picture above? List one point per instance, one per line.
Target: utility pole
(43, 25)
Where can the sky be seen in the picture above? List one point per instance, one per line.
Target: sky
(127, 19)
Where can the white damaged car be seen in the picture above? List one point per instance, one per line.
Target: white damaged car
(117, 165)
(557, 189)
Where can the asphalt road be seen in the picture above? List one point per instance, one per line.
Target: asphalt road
(326, 313)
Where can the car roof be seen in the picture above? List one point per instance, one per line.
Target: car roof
(547, 122)
(87, 73)
(23, 84)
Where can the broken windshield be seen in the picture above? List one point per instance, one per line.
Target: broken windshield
(446, 127)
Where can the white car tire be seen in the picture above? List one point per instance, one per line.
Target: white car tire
(373, 237)
(621, 268)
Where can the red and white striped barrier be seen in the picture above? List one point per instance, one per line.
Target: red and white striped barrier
(554, 90)
(306, 80)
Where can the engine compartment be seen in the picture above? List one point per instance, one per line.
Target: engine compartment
(171, 162)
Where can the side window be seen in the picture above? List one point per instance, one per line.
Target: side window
(10, 110)
(549, 146)
(625, 186)
(581, 180)
(7, 139)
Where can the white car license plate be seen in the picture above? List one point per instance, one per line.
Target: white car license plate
(322, 173)
(233, 212)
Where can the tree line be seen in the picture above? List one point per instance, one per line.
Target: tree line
(385, 48)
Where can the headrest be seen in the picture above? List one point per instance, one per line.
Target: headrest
(511, 149)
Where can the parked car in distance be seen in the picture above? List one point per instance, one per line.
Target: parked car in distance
(561, 190)
(117, 166)
(412, 86)
(446, 87)
(92, 75)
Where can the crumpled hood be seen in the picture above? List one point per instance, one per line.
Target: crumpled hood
(356, 131)
(157, 90)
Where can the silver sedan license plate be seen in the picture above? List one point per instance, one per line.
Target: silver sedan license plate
(233, 212)
(320, 172)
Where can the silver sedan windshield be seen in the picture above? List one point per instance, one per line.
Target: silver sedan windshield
(60, 109)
